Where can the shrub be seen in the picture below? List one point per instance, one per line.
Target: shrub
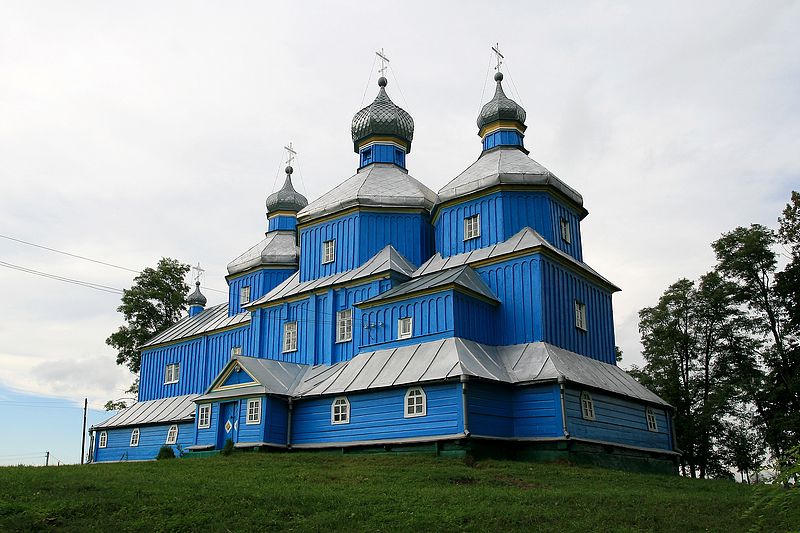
(166, 452)
(228, 448)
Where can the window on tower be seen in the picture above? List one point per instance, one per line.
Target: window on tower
(565, 233)
(405, 328)
(344, 325)
(328, 251)
(172, 373)
(236, 350)
(472, 227)
(244, 295)
(290, 337)
(580, 315)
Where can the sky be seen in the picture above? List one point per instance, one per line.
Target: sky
(130, 131)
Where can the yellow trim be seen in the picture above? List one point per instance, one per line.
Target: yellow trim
(382, 139)
(316, 292)
(231, 277)
(425, 292)
(326, 218)
(274, 214)
(386, 140)
(228, 373)
(197, 336)
(502, 125)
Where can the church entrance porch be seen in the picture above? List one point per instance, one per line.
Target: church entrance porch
(228, 427)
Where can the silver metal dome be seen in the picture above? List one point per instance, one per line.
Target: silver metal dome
(286, 199)
(197, 298)
(382, 117)
(501, 107)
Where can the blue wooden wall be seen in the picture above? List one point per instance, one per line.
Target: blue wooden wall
(432, 315)
(281, 222)
(537, 411)
(151, 439)
(503, 214)
(502, 138)
(261, 281)
(359, 236)
(617, 420)
(378, 415)
(500, 410)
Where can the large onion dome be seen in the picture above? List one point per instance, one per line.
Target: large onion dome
(501, 107)
(196, 298)
(382, 118)
(286, 199)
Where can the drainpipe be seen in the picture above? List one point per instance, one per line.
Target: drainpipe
(561, 381)
(289, 427)
(464, 404)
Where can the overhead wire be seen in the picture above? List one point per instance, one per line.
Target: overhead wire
(88, 284)
(485, 82)
(397, 81)
(369, 79)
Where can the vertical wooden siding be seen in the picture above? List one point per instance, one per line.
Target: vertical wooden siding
(261, 282)
(431, 315)
(151, 439)
(500, 410)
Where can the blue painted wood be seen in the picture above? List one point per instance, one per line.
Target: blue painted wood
(490, 409)
(237, 378)
(277, 420)
(382, 153)
(260, 281)
(617, 420)
(537, 411)
(251, 432)
(208, 436)
(228, 412)
(195, 310)
(378, 416)
(282, 222)
(151, 439)
(503, 138)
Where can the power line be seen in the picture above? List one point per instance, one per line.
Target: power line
(90, 285)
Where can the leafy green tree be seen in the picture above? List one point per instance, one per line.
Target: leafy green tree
(156, 301)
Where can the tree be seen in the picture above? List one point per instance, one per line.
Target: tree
(156, 301)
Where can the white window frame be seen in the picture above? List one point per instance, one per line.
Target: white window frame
(290, 336)
(253, 411)
(204, 416)
(580, 316)
(102, 439)
(404, 332)
(172, 434)
(236, 350)
(650, 416)
(134, 438)
(587, 407)
(415, 403)
(344, 325)
(328, 251)
(472, 227)
(340, 410)
(172, 373)
(244, 295)
(566, 232)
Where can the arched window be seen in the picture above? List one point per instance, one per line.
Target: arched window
(172, 434)
(652, 425)
(102, 440)
(416, 403)
(340, 411)
(135, 437)
(587, 406)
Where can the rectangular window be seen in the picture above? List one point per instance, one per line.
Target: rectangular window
(204, 416)
(405, 327)
(172, 434)
(472, 227)
(328, 252)
(254, 411)
(344, 325)
(172, 373)
(244, 295)
(290, 337)
(565, 234)
(580, 315)
(652, 425)
(103, 439)
(135, 437)
(236, 350)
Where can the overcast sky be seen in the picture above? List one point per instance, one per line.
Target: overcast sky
(135, 130)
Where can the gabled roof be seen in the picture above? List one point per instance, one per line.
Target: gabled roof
(271, 377)
(387, 260)
(277, 248)
(173, 409)
(377, 185)
(525, 239)
(462, 276)
(504, 165)
(209, 320)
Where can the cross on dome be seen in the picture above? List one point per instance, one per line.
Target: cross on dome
(384, 61)
(498, 56)
(290, 154)
(198, 272)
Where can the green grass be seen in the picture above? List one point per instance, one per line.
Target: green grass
(326, 491)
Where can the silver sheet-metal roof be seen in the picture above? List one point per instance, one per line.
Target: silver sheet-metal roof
(504, 165)
(277, 248)
(209, 320)
(387, 260)
(462, 276)
(376, 185)
(174, 409)
(525, 239)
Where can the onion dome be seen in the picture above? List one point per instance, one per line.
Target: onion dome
(286, 199)
(197, 298)
(382, 118)
(500, 107)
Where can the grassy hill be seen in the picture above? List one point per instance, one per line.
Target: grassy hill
(319, 492)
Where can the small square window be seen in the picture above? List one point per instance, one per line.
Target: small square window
(204, 416)
(135, 437)
(580, 315)
(244, 295)
(172, 373)
(290, 336)
(472, 227)
(254, 411)
(340, 411)
(172, 434)
(652, 425)
(236, 350)
(587, 406)
(102, 440)
(344, 325)
(405, 327)
(328, 251)
(566, 236)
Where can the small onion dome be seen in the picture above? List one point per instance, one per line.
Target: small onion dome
(500, 107)
(197, 298)
(286, 199)
(382, 117)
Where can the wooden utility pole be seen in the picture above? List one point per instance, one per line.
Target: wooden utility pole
(83, 433)
(47, 459)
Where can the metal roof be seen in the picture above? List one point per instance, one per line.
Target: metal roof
(504, 165)
(286, 198)
(174, 409)
(382, 117)
(376, 185)
(273, 377)
(388, 259)
(197, 298)
(525, 239)
(210, 319)
(501, 107)
(279, 247)
(463, 276)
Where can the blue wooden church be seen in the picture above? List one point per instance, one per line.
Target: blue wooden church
(384, 315)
